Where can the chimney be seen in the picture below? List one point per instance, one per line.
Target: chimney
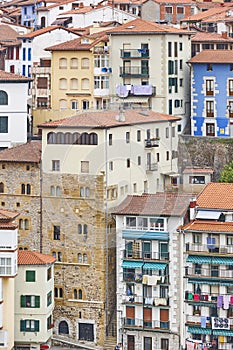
(224, 35)
(192, 208)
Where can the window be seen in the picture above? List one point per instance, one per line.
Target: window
(164, 344)
(111, 166)
(138, 135)
(29, 54)
(181, 82)
(230, 84)
(23, 224)
(214, 271)
(25, 189)
(85, 229)
(110, 139)
(84, 167)
(168, 9)
(80, 294)
(85, 84)
(74, 84)
(128, 162)
(1, 187)
(197, 238)
(49, 273)
(74, 104)
(197, 179)
(55, 165)
(24, 54)
(173, 131)
(49, 298)
(29, 326)
(30, 276)
(169, 49)
(42, 102)
(210, 87)
(181, 44)
(181, 64)
(49, 322)
(80, 229)
(209, 67)
(167, 155)
(80, 258)
(63, 104)
(3, 98)
(75, 294)
(74, 63)
(127, 137)
(56, 233)
(167, 132)
(210, 109)
(175, 49)
(85, 258)
(58, 191)
(157, 157)
(31, 301)
(101, 82)
(63, 84)
(59, 256)
(85, 63)
(62, 63)
(5, 266)
(210, 129)
(85, 104)
(139, 160)
(3, 125)
(101, 61)
(52, 191)
(170, 67)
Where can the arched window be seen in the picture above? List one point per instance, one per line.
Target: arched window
(63, 328)
(3, 98)
(63, 104)
(55, 292)
(21, 225)
(28, 189)
(81, 191)
(42, 22)
(54, 255)
(26, 224)
(80, 259)
(58, 191)
(22, 189)
(73, 63)
(85, 258)
(93, 138)
(85, 229)
(85, 104)
(51, 138)
(63, 84)
(60, 292)
(87, 192)
(74, 84)
(52, 191)
(85, 63)
(85, 84)
(80, 294)
(74, 104)
(80, 229)
(76, 138)
(75, 294)
(59, 256)
(60, 138)
(68, 138)
(85, 138)
(63, 63)
(1, 187)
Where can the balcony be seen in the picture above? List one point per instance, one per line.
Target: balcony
(151, 324)
(134, 72)
(209, 273)
(135, 53)
(202, 297)
(153, 142)
(204, 248)
(153, 301)
(151, 167)
(137, 277)
(140, 254)
(101, 49)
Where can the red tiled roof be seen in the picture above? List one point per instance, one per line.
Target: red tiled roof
(71, 45)
(163, 204)
(141, 26)
(7, 33)
(43, 31)
(206, 14)
(178, 2)
(26, 153)
(210, 37)
(7, 215)
(213, 56)
(28, 257)
(59, 3)
(209, 226)
(216, 196)
(105, 119)
(198, 170)
(11, 77)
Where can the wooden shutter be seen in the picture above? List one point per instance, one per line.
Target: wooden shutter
(147, 315)
(23, 300)
(130, 312)
(164, 315)
(37, 301)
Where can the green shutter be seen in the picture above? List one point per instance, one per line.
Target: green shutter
(23, 301)
(37, 301)
(37, 326)
(22, 326)
(30, 276)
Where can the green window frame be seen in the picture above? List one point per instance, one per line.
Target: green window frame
(30, 276)
(49, 298)
(30, 301)
(29, 326)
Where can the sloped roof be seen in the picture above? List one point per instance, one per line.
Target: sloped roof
(162, 204)
(28, 257)
(11, 77)
(7, 215)
(43, 31)
(198, 171)
(213, 56)
(105, 119)
(7, 33)
(210, 37)
(208, 226)
(140, 26)
(27, 153)
(216, 196)
(208, 13)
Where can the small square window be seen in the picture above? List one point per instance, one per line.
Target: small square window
(3, 204)
(30, 276)
(17, 204)
(84, 167)
(209, 67)
(27, 167)
(55, 165)
(3, 166)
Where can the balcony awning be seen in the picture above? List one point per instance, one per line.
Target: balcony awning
(215, 260)
(131, 264)
(154, 266)
(199, 330)
(226, 333)
(211, 282)
(136, 99)
(208, 214)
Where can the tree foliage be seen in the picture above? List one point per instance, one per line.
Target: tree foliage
(227, 173)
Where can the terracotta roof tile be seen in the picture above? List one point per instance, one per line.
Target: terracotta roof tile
(59, 3)
(7, 33)
(206, 14)
(209, 226)
(105, 119)
(162, 204)
(216, 196)
(27, 257)
(71, 45)
(11, 77)
(142, 26)
(198, 170)
(179, 2)
(43, 31)
(8, 215)
(213, 56)
(26, 153)
(210, 37)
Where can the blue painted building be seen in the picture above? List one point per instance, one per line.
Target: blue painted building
(212, 93)
(28, 12)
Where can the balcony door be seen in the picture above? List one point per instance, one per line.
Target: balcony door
(210, 129)
(146, 247)
(147, 343)
(130, 342)
(163, 251)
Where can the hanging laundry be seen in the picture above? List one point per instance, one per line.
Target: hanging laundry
(196, 297)
(210, 243)
(219, 301)
(203, 321)
(189, 345)
(231, 299)
(226, 300)
(122, 91)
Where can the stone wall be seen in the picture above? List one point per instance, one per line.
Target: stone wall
(204, 152)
